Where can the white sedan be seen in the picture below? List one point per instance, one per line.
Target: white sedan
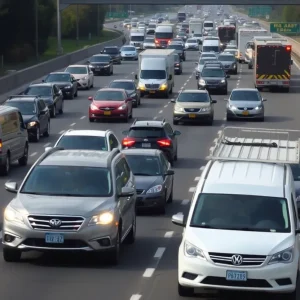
(129, 53)
(192, 44)
(83, 74)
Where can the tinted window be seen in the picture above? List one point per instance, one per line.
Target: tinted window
(128, 49)
(39, 90)
(153, 74)
(296, 172)
(113, 142)
(111, 50)
(193, 97)
(25, 107)
(149, 40)
(176, 47)
(247, 212)
(137, 38)
(208, 25)
(58, 78)
(192, 41)
(129, 86)
(77, 70)
(69, 180)
(109, 95)
(83, 142)
(163, 35)
(100, 59)
(212, 73)
(210, 49)
(245, 96)
(144, 165)
(226, 58)
(147, 132)
(206, 59)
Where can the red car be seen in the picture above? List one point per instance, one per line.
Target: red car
(109, 103)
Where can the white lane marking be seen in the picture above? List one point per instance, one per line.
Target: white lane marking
(46, 145)
(72, 124)
(184, 84)
(159, 252)
(197, 179)
(192, 189)
(166, 106)
(33, 154)
(1, 235)
(202, 168)
(160, 112)
(169, 234)
(219, 132)
(83, 117)
(190, 77)
(154, 118)
(215, 141)
(61, 132)
(211, 149)
(136, 297)
(148, 272)
(185, 202)
(132, 72)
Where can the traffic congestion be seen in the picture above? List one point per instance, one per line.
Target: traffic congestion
(167, 163)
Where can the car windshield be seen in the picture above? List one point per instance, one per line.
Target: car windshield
(58, 78)
(212, 73)
(175, 46)
(111, 50)
(109, 96)
(149, 40)
(39, 90)
(103, 58)
(209, 25)
(144, 165)
(146, 132)
(210, 48)
(77, 70)
(78, 142)
(193, 97)
(233, 52)
(206, 59)
(137, 38)
(164, 35)
(226, 58)
(245, 96)
(182, 34)
(241, 212)
(208, 55)
(128, 48)
(192, 41)
(129, 86)
(73, 181)
(153, 74)
(152, 26)
(25, 107)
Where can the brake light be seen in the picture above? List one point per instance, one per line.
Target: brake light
(128, 142)
(288, 48)
(164, 143)
(156, 42)
(0, 145)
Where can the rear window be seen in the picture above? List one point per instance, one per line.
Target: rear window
(83, 143)
(111, 50)
(146, 132)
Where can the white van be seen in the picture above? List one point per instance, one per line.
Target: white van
(13, 139)
(242, 230)
(209, 45)
(208, 26)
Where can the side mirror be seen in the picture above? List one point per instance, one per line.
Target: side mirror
(135, 76)
(176, 132)
(178, 219)
(196, 63)
(227, 76)
(101, 52)
(264, 100)
(170, 172)
(87, 62)
(173, 101)
(43, 80)
(90, 98)
(129, 99)
(48, 149)
(170, 77)
(214, 101)
(11, 187)
(125, 132)
(127, 191)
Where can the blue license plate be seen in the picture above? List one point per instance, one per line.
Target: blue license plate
(236, 275)
(54, 238)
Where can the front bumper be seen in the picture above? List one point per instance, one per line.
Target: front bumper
(101, 70)
(115, 114)
(148, 201)
(129, 57)
(87, 238)
(67, 92)
(206, 274)
(250, 114)
(213, 87)
(230, 70)
(192, 117)
(83, 83)
(153, 91)
(32, 131)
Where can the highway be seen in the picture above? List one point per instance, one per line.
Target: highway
(148, 268)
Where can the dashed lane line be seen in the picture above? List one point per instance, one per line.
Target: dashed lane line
(149, 272)
(160, 112)
(154, 118)
(165, 106)
(136, 297)
(202, 168)
(197, 179)
(169, 234)
(47, 145)
(33, 154)
(185, 202)
(73, 124)
(159, 252)
(192, 189)
(61, 132)
(83, 117)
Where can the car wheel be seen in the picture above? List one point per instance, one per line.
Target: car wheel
(185, 291)
(91, 119)
(53, 112)
(130, 238)
(210, 121)
(92, 85)
(37, 135)
(228, 118)
(112, 71)
(5, 169)
(72, 96)
(24, 159)
(76, 93)
(47, 132)
(61, 111)
(114, 254)
(175, 122)
(11, 255)
(170, 199)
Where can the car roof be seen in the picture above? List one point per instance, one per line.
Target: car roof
(123, 80)
(87, 158)
(23, 98)
(195, 91)
(133, 151)
(99, 133)
(111, 47)
(49, 84)
(97, 55)
(111, 89)
(77, 66)
(63, 73)
(232, 177)
(150, 123)
(245, 89)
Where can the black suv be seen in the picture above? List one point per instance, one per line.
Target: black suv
(35, 113)
(114, 53)
(177, 64)
(152, 135)
(213, 79)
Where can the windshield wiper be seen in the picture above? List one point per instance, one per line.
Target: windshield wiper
(143, 174)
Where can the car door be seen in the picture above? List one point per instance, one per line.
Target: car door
(90, 75)
(74, 84)
(58, 96)
(113, 142)
(129, 103)
(168, 179)
(42, 115)
(170, 133)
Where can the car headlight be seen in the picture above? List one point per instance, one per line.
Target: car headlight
(232, 107)
(105, 218)
(192, 251)
(234, 66)
(141, 86)
(94, 107)
(122, 107)
(11, 215)
(178, 108)
(155, 189)
(107, 66)
(163, 86)
(223, 81)
(285, 256)
(68, 87)
(31, 124)
(202, 82)
(258, 107)
(84, 78)
(204, 109)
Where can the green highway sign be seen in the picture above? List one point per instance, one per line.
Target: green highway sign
(259, 11)
(285, 27)
(117, 14)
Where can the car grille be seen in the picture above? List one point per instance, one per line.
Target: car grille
(67, 223)
(192, 109)
(163, 42)
(245, 108)
(41, 243)
(226, 66)
(212, 82)
(107, 108)
(139, 192)
(152, 86)
(226, 259)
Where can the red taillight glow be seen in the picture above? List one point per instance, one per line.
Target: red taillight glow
(0, 145)
(128, 142)
(288, 48)
(156, 41)
(164, 143)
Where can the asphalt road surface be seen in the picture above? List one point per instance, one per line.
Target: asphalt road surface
(148, 268)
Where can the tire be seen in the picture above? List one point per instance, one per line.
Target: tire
(262, 119)
(61, 111)
(114, 254)
(72, 96)
(210, 122)
(286, 90)
(170, 199)
(47, 132)
(228, 118)
(37, 136)
(11, 255)
(91, 119)
(24, 159)
(175, 122)
(112, 71)
(5, 169)
(76, 93)
(185, 291)
(166, 95)
(130, 238)
(53, 112)
(92, 85)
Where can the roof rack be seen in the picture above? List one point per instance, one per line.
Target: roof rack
(257, 145)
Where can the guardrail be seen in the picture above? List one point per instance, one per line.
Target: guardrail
(21, 77)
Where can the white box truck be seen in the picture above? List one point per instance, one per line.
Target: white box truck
(156, 72)
(196, 26)
(137, 38)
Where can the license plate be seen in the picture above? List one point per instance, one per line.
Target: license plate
(245, 113)
(107, 113)
(152, 92)
(146, 145)
(97, 69)
(192, 116)
(236, 276)
(54, 238)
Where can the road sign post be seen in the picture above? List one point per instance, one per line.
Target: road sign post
(117, 14)
(285, 28)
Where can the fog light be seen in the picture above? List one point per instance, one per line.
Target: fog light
(104, 242)
(9, 238)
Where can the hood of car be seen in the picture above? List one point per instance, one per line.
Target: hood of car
(29, 118)
(128, 52)
(61, 84)
(214, 79)
(192, 104)
(245, 104)
(146, 182)
(48, 100)
(79, 76)
(229, 62)
(108, 103)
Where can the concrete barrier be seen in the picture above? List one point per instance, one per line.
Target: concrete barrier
(21, 77)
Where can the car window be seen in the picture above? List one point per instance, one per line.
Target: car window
(165, 162)
(113, 142)
(102, 58)
(144, 165)
(58, 78)
(122, 176)
(39, 91)
(296, 172)
(294, 211)
(25, 107)
(212, 73)
(245, 96)
(146, 132)
(41, 105)
(111, 50)
(126, 85)
(81, 142)
(56, 89)
(226, 58)
(109, 96)
(193, 97)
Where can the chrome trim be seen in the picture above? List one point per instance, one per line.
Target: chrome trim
(22, 246)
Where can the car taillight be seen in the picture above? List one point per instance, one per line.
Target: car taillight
(164, 143)
(0, 145)
(156, 41)
(128, 142)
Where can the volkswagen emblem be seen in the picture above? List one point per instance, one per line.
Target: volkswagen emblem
(245, 108)
(55, 223)
(237, 259)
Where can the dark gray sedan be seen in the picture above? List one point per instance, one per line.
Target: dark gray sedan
(229, 63)
(153, 178)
